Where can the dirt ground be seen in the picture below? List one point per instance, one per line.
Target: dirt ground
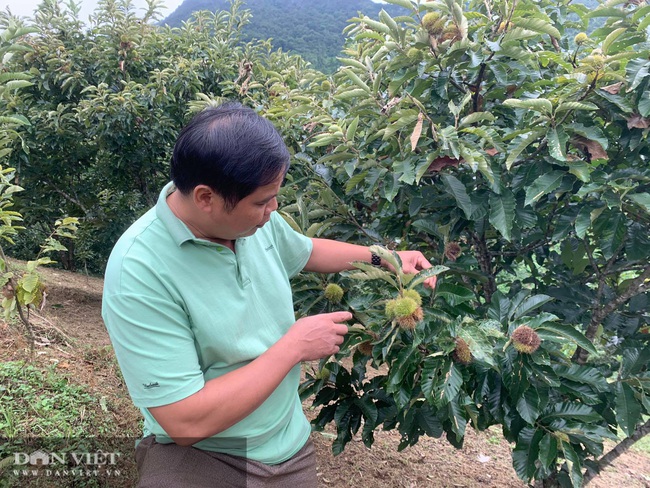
(81, 348)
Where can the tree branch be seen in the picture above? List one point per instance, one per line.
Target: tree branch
(619, 449)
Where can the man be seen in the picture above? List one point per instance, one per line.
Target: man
(198, 306)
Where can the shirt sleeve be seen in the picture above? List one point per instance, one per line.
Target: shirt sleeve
(294, 248)
(154, 345)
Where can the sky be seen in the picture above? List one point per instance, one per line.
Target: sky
(25, 8)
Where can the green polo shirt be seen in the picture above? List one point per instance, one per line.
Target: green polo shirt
(181, 311)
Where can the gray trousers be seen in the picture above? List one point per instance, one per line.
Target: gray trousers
(174, 466)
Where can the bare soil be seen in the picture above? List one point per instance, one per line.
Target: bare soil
(70, 333)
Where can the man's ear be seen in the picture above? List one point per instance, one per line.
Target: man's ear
(203, 197)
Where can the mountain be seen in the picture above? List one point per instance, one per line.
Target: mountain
(313, 29)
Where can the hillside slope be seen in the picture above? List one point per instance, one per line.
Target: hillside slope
(312, 29)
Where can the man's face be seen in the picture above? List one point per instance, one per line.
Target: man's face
(250, 213)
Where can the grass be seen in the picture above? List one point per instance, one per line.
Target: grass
(42, 409)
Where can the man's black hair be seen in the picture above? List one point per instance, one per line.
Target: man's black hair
(231, 149)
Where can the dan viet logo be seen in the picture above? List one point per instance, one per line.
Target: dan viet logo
(44, 463)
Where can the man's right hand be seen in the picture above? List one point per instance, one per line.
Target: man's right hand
(317, 336)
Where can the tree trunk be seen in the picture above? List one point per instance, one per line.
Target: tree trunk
(619, 449)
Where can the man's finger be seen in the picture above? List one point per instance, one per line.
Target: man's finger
(339, 316)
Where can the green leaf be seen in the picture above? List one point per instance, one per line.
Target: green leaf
(634, 361)
(642, 199)
(537, 25)
(425, 274)
(450, 385)
(542, 186)
(528, 405)
(352, 76)
(502, 213)
(537, 104)
(607, 43)
(628, 408)
(454, 294)
(526, 452)
(371, 272)
(637, 71)
(351, 93)
(586, 375)
(376, 26)
(456, 188)
(513, 154)
(402, 3)
(566, 106)
(29, 282)
(529, 304)
(476, 117)
(555, 146)
(548, 450)
(573, 463)
(573, 410)
(570, 333)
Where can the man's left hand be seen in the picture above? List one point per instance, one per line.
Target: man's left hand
(413, 262)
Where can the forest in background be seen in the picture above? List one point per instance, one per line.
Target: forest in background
(314, 30)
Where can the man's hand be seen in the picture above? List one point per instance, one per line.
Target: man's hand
(318, 336)
(414, 261)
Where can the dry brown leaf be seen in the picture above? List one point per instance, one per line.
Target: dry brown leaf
(595, 150)
(638, 122)
(491, 152)
(417, 131)
(443, 161)
(613, 89)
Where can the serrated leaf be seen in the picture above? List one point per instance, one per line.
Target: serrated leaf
(537, 25)
(555, 146)
(529, 304)
(573, 410)
(456, 188)
(376, 26)
(476, 117)
(513, 154)
(573, 464)
(565, 106)
(642, 199)
(454, 294)
(526, 452)
(548, 450)
(542, 186)
(425, 274)
(628, 409)
(570, 333)
(352, 76)
(402, 3)
(502, 213)
(352, 129)
(450, 386)
(370, 272)
(353, 93)
(537, 104)
(528, 405)
(611, 37)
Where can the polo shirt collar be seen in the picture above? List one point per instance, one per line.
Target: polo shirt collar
(179, 232)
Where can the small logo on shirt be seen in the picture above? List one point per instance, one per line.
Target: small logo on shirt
(149, 386)
(268, 248)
